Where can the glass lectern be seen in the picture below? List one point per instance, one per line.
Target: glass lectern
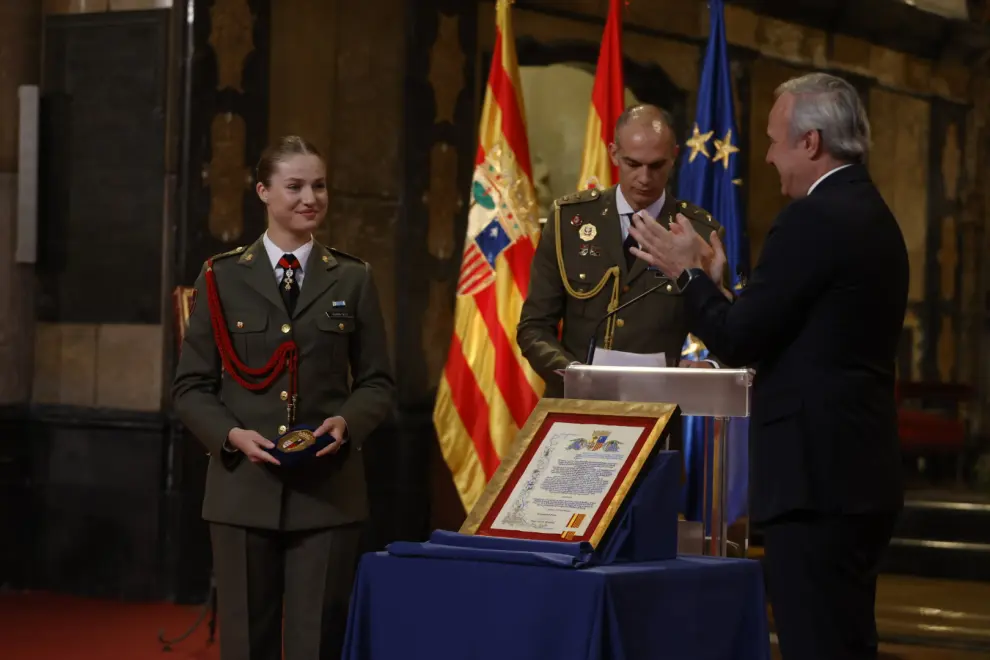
(715, 394)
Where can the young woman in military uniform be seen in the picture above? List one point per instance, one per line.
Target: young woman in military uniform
(286, 333)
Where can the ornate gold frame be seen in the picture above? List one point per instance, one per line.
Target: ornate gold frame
(660, 412)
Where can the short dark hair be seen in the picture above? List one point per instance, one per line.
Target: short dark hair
(280, 151)
(643, 108)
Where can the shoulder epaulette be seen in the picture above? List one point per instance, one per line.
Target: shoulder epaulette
(229, 253)
(697, 214)
(579, 197)
(340, 253)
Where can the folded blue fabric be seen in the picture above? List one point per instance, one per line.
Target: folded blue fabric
(452, 545)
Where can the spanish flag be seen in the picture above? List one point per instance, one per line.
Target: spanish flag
(488, 390)
(607, 103)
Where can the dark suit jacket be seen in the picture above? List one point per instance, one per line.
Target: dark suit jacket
(343, 370)
(655, 324)
(820, 320)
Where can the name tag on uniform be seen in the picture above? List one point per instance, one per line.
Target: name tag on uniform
(339, 315)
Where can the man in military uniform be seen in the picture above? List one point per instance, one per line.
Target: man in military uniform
(583, 267)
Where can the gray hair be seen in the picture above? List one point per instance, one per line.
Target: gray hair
(831, 106)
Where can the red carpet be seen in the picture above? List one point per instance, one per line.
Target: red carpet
(37, 626)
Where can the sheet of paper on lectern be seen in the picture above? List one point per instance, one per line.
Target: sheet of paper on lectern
(607, 358)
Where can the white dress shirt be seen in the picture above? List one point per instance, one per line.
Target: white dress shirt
(826, 175)
(275, 253)
(625, 210)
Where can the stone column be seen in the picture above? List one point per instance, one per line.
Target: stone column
(20, 58)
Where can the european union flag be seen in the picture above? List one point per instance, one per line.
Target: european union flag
(708, 177)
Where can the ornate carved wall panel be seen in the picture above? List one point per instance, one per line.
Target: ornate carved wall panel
(447, 61)
(303, 61)
(976, 277)
(946, 355)
(912, 351)
(227, 129)
(950, 223)
(440, 126)
(899, 164)
(444, 200)
(951, 163)
(368, 109)
(227, 177)
(232, 40)
(948, 259)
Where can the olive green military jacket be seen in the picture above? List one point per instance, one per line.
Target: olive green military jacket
(344, 370)
(579, 269)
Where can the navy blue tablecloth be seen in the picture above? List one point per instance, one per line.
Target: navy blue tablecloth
(689, 608)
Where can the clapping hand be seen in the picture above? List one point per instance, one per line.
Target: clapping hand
(672, 250)
(713, 260)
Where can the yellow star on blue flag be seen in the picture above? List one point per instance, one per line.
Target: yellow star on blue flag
(699, 143)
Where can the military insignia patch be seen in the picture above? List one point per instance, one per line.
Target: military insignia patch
(588, 232)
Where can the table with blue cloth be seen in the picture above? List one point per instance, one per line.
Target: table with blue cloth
(688, 608)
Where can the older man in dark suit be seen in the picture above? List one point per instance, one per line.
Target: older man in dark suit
(820, 320)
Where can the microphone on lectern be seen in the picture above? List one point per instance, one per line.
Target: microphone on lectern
(594, 335)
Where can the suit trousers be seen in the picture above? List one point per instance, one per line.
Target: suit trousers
(267, 579)
(821, 572)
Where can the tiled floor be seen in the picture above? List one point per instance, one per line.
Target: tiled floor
(889, 652)
(938, 616)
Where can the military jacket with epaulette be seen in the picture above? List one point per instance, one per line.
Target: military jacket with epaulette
(343, 370)
(579, 273)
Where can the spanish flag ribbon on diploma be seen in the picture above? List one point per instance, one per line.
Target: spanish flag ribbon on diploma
(488, 390)
(607, 103)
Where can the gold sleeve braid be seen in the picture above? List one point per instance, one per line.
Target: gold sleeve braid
(613, 272)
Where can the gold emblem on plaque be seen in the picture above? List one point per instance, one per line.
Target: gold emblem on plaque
(296, 440)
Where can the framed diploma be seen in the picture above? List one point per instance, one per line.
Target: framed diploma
(570, 470)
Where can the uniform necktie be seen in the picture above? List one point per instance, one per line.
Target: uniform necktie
(627, 244)
(289, 286)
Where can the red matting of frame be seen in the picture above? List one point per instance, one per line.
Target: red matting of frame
(646, 423)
